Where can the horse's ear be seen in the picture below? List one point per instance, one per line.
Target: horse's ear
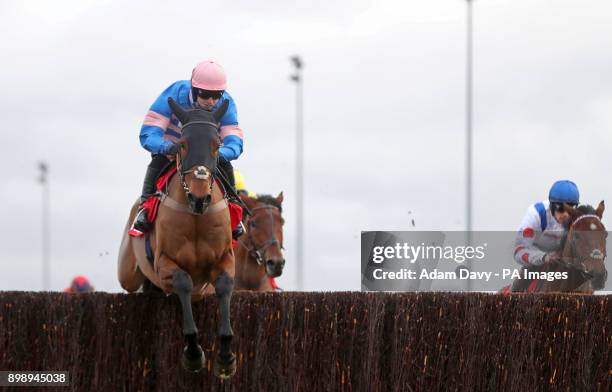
(600, 209)
(177, 110)
(250, 202)
(218, 114)
(280, 198)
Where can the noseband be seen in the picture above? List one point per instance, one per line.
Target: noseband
(258, 251)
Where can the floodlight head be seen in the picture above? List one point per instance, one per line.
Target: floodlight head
(297, 61)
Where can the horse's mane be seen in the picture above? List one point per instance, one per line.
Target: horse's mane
(270, 200)
(586, 209)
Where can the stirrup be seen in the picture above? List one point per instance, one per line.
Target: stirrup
(238, 231)
(141, 221)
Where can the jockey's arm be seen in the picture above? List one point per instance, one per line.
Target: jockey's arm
(526, 253)
(231, 134)
(157, 121)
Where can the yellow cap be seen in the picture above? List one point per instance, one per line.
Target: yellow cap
(240, 184)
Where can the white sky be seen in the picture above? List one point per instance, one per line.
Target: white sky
(384, 116)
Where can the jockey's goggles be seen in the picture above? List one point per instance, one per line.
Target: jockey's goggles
(205, 94)
(560, 208)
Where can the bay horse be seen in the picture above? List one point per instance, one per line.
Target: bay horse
(191, 239)
(259, 254)
(583, 254)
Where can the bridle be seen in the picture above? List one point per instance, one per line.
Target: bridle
(577, 262)
(258, 251)
(200, 173)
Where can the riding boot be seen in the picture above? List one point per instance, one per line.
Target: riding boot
(141, 222)
(238, 231)
(228, 172)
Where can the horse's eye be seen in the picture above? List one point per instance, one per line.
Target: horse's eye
(252, 224)
(282, 221)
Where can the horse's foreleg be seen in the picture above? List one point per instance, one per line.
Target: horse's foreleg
(225, 362)
(193, 356)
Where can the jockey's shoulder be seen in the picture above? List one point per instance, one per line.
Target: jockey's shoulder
(544, 203)
(533, 208)
(533, 219)
(178, 90)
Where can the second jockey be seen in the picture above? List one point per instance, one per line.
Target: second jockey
(161, 130)
(542, 230)
(241, 187)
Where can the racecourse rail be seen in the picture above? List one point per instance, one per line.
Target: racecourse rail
(347, 341)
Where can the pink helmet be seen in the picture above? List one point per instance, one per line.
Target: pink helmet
(209, 75)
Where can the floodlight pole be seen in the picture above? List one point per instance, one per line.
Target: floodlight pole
(299, 168)
(468, 131)
(46, 244)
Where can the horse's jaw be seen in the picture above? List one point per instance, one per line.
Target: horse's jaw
(598, 281)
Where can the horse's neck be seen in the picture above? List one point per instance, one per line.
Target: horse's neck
(248, 270)
(574, 282)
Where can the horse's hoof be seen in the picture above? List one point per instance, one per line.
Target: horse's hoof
(193, 362)
(225, 369)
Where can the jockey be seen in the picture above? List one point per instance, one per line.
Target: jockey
(161, 129)
(80, 284)
(539, 238)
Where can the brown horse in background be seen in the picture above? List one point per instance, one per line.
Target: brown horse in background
(583, 254)
(259, 254)
(191, 238)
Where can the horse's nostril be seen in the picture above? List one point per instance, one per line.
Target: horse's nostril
(275, 263)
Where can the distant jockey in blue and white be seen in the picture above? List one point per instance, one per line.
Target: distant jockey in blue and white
(161, 130)
(542, 230)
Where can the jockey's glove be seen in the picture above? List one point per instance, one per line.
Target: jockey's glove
(551, 257)
(172, 149)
